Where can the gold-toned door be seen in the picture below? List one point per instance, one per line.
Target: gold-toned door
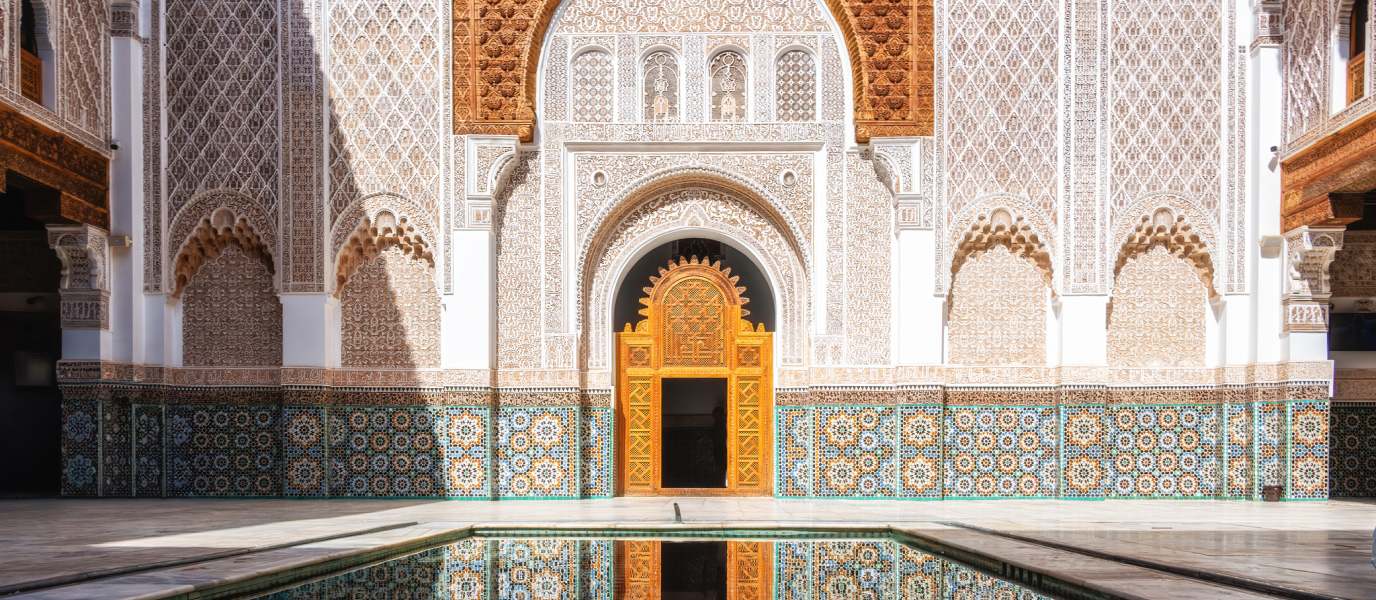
(694, 328)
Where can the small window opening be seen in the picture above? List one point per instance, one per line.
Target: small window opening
(35, 54)
(1356, 62)
(694, 433)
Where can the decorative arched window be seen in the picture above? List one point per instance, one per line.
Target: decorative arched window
(795, 87)
(591, 91)
(661, 87)
(728, 74)
(1356, 57)
(35, 53)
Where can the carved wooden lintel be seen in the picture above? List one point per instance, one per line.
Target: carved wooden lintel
(69, 182)
(1323, 184)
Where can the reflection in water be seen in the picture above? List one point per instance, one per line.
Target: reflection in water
(591, 569)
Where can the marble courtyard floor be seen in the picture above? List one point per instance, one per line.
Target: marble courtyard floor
(121, 548)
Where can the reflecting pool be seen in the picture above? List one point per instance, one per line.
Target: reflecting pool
(665, 569)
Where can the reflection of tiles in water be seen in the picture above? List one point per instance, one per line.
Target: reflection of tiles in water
(554, 569)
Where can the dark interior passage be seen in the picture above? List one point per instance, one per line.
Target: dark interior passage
(694, 433)
(693, 571)
(30, 344)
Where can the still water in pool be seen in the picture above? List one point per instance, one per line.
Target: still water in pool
(596, 569)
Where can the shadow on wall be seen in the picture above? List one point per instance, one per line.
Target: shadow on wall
(627, 305)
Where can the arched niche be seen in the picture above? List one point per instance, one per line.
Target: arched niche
(690, 209)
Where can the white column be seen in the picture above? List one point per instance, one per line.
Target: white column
(1083, 330)
(918, 311)
(1265, 318)
(310, 330)
(127, 313)
(468, 324)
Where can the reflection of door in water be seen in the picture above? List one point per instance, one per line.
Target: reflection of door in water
(653, 570)
(693, 448)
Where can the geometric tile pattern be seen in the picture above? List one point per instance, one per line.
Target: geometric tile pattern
(383, 452)
(1238, 452)
(465, 569)
(919, 451)
(80, 447)
(1164, 451)
(1085, 452)
(537, 450)
(116, 457)
(1309, 431)
(853, 569)
(793, 453)
(303, 451)
(463, 436)
(1353, 449)
(598, 567)
(222, 450)
(116, 448)
(853, 451)
(919, 574)
(541, 568)
(1000, 452)
(792, 570)
(1270, 442)
(418, 575)
(148, 419)
(962, 582)
(596, 447)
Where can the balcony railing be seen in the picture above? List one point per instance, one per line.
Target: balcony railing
(31, 76)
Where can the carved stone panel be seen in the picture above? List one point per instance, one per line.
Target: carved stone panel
(231, 316)
(391, 314)
(1157, 315)
(998, 312)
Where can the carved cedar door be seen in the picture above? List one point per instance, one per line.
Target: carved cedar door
(693, 328)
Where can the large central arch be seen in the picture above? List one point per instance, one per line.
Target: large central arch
(704, 207)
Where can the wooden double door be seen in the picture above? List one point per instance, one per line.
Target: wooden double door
(694, 329)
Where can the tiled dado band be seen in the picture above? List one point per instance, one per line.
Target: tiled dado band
(1082, 442)
(127, 440)
(131, 440)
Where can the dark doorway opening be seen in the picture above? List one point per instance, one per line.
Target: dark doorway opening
(693, 571)
(31, 343)
(694, 433)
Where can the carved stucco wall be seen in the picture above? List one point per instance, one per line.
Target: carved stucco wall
(517, 225)
(998, 312)
(78, 33)
(1001, 105)
(231, 316)
(390, 312)
(1157, 314)
(389, 104)
(1308, 29)
(868, 248)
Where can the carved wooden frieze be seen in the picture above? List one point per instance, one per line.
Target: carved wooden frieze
(37, 153)
(496, 51)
